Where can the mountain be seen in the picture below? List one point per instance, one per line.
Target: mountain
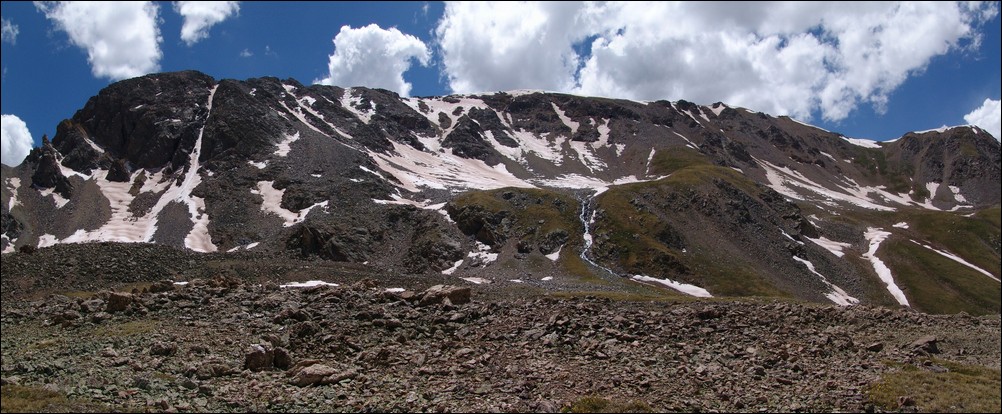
(515, 187)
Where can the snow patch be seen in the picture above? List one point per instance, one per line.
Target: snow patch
(691, 290)
(483, 253)
(272, 203)
(452, 269)
(395, 290)
(286, 145)
(832, 246)
(56, 197)
(876, 236)
(865, 143)
(476, 280)
(837, 295)
(808, 125)
(566, 119)
(956, 194)
(10, 244)
(308, 284)
(351, 103)
(958, 260)
(718, 109)
(47, 240)
(414, 168)
(690, 143)
(901, 225)
(547, 279)
(782, 178)
(13, 184)
(260, 165)
(555, 255)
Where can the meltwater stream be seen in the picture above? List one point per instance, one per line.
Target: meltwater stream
(587, 218)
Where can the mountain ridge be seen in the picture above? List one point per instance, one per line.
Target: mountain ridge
(365, 176)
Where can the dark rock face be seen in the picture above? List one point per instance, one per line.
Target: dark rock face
(962, 157)
(487, 227)
(48, 174)
(433, 249)
(468, 141)
(119, 171)
(71, 141)
(151, 120)
(241, 125)
(337, 244)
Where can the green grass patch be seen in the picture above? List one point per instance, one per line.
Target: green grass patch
(573, 265)
(130, 328)
(937, 284)
(25, 399)
(640, 236)
(603, 405)
(964, 388)
(671, 160)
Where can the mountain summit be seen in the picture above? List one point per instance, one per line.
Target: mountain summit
(522, 186)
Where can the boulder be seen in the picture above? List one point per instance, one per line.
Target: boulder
(258, 358)
(449, 294)
(118, 301)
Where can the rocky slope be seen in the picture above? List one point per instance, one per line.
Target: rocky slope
(223, 344)
(508, 187)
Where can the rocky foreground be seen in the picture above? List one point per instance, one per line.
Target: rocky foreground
(221, 344)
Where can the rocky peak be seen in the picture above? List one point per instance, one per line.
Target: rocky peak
(48, 175)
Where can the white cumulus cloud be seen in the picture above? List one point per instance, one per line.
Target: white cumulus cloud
(122, 39)
(200, 16)
(779, 57)
(9, 31)
(988, 117)
(16, 140)
(374, 57)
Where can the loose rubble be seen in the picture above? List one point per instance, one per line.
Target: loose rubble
(225, 345)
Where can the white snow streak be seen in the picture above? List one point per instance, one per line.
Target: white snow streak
(691, 290)
(865, 143)
(958, 260)
(808, 125)
(782, 178)
(875, 236)
(452, 269)
(308, 284)
(837, 295)
(834, 247)
(565, 119)
(476, 280)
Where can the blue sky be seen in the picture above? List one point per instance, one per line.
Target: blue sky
(866, 71)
